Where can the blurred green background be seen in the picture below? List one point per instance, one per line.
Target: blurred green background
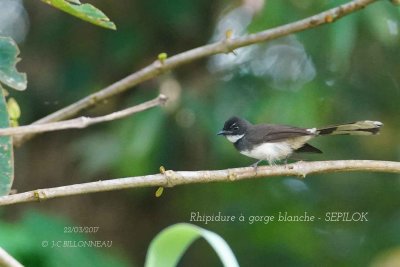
(345, 71)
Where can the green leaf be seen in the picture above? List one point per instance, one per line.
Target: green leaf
(14, 111)
(85, 12)
(8, 59)
(6, 151)
(168, 246)
(159, 191)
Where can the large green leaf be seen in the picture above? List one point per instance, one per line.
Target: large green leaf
(168, 246)
(8, 59)
(85, 12)
(6, 151)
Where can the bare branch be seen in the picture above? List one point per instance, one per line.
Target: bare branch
(172, 178)
(224, 46)
(7, 261)
(82, 122)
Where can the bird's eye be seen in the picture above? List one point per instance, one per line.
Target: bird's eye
(236, 128)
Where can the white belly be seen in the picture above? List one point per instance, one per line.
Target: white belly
(269, 151)
(273, 152)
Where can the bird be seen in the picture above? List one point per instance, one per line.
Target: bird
(274, 143)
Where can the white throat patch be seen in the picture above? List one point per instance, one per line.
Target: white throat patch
(234, 138)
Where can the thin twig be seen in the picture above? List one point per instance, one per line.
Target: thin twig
(224, 46)
(6, 260)
(82, 122)
(172, 178)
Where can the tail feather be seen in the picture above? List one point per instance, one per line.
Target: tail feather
(354, 128)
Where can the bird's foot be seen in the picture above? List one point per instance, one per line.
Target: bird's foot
(286, 164)
(255, 165)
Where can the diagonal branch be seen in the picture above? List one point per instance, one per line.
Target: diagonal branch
(7, 260)
(82, 122)
(172, 178)
(224, 46)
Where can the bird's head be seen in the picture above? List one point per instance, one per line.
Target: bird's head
(234, 129)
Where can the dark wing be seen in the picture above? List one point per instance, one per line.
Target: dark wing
(274, 133)
(307, 148)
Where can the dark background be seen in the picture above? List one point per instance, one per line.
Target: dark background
(340, 72)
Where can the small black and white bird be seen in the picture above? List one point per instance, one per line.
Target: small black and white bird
(273, 143)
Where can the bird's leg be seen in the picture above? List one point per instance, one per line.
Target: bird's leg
(255, 165)
(285, 161)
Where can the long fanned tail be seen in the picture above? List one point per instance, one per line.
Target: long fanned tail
(354, 128)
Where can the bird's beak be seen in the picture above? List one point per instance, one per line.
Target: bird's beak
(223, 132)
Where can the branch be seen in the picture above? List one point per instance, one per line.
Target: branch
(7, 261)
(82, 122)
(224, 46)
(171, 178)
